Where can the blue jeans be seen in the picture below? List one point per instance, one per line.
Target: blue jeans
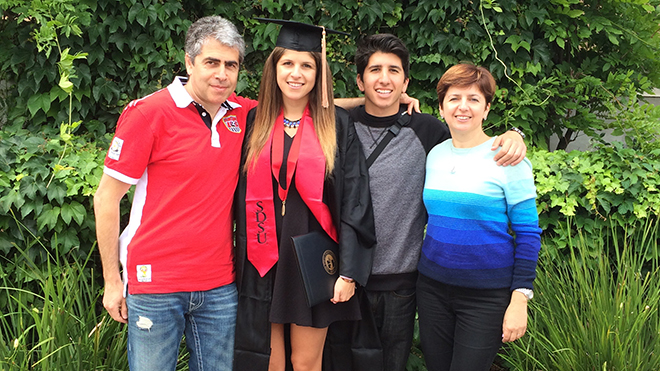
(460, 328)
(157, 322)
(394, 313)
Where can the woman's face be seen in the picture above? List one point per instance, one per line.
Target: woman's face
(296, 75)
(464, 108)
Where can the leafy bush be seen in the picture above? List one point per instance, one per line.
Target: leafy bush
(595, 312)
(46, 183)
(560, 64)
(588, 191)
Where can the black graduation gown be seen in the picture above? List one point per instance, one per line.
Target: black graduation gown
(346, 192)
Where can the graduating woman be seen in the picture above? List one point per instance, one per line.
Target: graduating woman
(475, 276)
(303, 171)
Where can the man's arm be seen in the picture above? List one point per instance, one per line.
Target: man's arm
(106, 211)
(350, 103)
(513, 148)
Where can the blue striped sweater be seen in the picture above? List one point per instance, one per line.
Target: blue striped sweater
(473, 204)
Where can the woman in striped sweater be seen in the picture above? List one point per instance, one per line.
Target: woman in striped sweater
(479, 255)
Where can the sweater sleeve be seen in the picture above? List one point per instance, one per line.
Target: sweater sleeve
(520, 194)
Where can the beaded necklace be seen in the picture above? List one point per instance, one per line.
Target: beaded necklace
(291, 124)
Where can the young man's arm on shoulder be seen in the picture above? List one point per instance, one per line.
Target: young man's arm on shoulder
(513, 149)
(350, 103)
(106, 210)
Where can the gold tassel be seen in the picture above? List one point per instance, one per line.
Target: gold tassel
(324, 78)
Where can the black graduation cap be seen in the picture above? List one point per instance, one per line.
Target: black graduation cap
(304, 37)
(299, 36)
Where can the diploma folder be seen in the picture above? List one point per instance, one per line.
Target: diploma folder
(317, 256)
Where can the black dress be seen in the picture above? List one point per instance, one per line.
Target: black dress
(278, 296)
(288, 304)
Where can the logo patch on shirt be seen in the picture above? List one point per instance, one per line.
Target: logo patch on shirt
(144, 273)
(115, 148)
(231, 123)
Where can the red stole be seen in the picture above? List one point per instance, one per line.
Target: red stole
(262, 244)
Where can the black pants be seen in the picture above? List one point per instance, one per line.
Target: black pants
(460, 328)
(394, 314)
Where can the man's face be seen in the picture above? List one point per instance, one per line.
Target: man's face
(213, 76)
(382, 83)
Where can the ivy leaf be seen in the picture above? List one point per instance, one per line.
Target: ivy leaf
(104, 88)
(78, 212)
(28, 187)
(5, 244)
(65, 84)
(133, 12)
(39, 102)
(516, 43)
(27, 208)
(11, 198)
(67, 239)
(142, 17)
(66, 213)
(119, 39)
(56, 192)
(48, 217)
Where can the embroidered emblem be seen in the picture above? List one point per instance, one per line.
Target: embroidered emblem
(115, 148)
(329, 262)
(231, 123)
(144, 273)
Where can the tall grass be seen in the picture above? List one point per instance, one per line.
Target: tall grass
(59, 326)
(595, 313)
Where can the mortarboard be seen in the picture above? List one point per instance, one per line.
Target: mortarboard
(301, 37)
(304, 37)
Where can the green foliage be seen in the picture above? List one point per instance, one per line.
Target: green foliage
(133, 48)
(557, 62)
(58, 326)
(47, 176)
(416, 357)
(560, 64)
(611, 185)
(564, 67)
(46, 192)
(595, 312)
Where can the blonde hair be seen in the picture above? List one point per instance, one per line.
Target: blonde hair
(271, 103)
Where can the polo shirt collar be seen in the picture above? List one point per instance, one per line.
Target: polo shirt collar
(182, 99)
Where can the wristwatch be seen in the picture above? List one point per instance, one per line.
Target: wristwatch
(529, 293)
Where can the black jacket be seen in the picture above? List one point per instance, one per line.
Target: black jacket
(346, 192)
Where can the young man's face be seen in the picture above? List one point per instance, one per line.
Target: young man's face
(382, 83)
(213, 76)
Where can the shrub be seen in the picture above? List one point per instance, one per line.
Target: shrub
(595, 312)
(589, 191)
(46, 183)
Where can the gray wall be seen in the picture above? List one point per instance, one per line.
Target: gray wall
(583, 142)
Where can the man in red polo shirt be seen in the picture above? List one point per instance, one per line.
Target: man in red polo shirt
(180, 147)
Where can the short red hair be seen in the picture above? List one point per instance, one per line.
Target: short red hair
(465, 74)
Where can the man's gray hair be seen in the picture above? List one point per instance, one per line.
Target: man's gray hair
(217, 28)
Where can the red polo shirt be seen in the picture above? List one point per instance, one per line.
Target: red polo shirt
(180, 234)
